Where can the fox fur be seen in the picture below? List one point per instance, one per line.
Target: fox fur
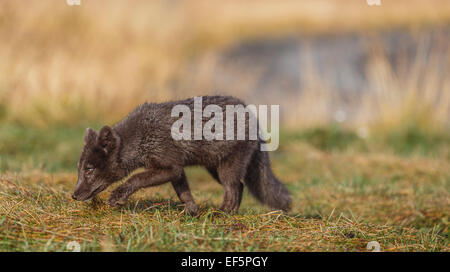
(143, 140)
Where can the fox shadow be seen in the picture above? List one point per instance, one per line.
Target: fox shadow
(168, 205)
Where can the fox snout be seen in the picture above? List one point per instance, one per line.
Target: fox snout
(85, 191)
(79, 196)
(74, 196)
(82, 196)
(81, 193)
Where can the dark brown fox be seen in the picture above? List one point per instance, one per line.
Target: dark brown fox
(143, 140)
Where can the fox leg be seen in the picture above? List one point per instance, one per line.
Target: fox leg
(230, 191)
(151, 177)
(181, 187)
(231, 171)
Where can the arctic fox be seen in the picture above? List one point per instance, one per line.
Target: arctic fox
(143, 140)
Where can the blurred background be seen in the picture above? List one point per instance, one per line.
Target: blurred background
(344, 73)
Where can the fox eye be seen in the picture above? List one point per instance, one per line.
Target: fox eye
(90, 169)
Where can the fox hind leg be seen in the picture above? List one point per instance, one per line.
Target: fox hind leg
(183, 191)
(230, 191)
(230, 172)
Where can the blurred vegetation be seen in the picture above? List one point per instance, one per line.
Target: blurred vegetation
(97, 61)
(404, 142)
(24, 148)
(414, 139)
(326, 139)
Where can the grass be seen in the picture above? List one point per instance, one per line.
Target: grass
(52, 149)
(344, 196)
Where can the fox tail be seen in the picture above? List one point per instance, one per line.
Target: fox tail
(263, 185)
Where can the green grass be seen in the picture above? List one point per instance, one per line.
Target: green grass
(327, 139)
(413, 139)
(346, 192)
(407, 140)
(51, 149)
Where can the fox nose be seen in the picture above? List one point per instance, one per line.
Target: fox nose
(74, 197)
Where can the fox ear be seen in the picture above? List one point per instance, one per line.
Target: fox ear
(90, 136)
(108, 139)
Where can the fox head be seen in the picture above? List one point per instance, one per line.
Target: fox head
(98, 166)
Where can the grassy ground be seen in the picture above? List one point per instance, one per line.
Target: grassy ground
(346, 192)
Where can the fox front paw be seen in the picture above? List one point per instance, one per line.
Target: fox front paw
(118, 197)
(192, 209)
